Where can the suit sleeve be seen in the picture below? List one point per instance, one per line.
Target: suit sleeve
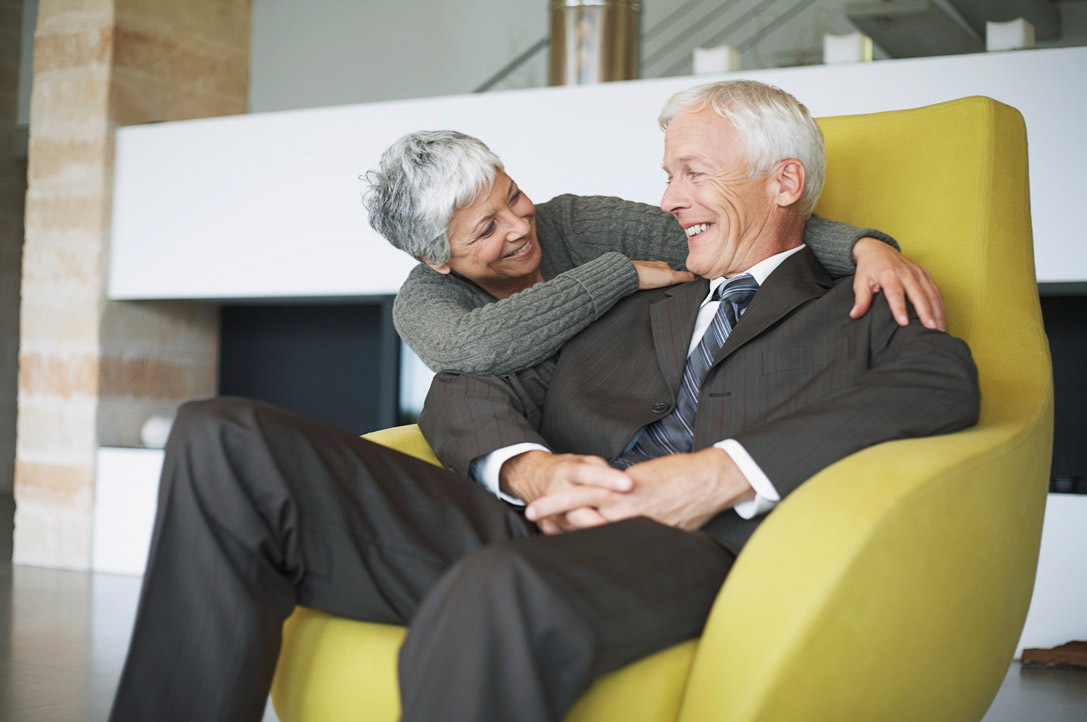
(920, 383)
(466, 416)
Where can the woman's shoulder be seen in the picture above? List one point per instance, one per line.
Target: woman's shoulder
(424, 285)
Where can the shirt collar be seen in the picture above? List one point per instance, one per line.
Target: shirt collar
(760, 271)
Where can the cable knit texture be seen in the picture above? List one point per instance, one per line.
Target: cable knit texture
(587, 244)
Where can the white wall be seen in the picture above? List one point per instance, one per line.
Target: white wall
(279, 196)
(334, 52)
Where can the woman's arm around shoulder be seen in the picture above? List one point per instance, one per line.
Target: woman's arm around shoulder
(452, 324)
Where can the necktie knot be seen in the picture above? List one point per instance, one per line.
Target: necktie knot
(737, 292)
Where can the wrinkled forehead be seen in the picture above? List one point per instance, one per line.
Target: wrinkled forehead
(702, 135)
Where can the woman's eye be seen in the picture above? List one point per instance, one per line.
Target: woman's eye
(515, 197)
(488, 230)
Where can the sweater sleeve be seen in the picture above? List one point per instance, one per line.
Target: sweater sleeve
(832, 243)
(453, 325)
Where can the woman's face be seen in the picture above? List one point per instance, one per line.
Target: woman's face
(493, 242)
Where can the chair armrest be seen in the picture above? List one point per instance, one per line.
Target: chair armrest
(922, 551)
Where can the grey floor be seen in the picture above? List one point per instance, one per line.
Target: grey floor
(63, 637)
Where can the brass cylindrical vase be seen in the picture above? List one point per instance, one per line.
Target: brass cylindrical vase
(593, 41)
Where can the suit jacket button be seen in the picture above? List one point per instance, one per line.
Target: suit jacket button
(660, 407)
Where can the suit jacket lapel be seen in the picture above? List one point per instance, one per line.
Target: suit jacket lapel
(797, 280)
(672, 318)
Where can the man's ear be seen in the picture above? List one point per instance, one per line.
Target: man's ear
(442, 268)
(789, 176)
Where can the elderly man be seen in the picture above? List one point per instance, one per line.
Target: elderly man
(647, 451)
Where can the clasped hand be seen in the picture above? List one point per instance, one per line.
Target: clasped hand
(570, 491)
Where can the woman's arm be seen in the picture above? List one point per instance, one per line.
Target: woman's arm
(453, 325)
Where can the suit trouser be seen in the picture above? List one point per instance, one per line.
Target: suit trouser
(261, 509)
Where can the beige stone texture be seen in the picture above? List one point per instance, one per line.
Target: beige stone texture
(223, 23)
(54, 14)
(55, 431)
(62, 258)
(76, 156)
(73, 48)
(141, 99)
(59, 209)
(67, 485)
(174, 329)
(69, 98)
(210, 69)
(63, 317)
(150, 378)
(92, 371)
(64, 376)
(49, 535)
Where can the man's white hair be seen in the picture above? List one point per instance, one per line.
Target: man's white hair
(774, 124)
(420, 181)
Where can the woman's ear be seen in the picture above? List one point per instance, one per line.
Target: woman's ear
(442, 268)
(790, 177)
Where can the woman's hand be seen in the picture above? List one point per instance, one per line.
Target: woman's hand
(658, 274)
(880, 267)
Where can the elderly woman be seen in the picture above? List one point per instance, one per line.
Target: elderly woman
(503, 283)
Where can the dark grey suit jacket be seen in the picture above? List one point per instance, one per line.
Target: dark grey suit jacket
(798, 383)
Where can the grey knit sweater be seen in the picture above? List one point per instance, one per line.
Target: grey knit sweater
(587, 244)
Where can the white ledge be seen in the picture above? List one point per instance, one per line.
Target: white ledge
(268, 205)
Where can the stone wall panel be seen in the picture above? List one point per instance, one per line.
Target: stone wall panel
(69, 98)
(77, 156)
(58, 431)
(63, 209)
(94, 370)
(73, 48)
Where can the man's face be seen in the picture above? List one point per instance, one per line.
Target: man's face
(723, 212)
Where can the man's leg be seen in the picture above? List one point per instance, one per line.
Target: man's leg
(517, 631)
(261, 509)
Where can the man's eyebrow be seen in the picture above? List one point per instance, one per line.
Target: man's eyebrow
(684, 160)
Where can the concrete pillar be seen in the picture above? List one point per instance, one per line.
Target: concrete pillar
(92, 370)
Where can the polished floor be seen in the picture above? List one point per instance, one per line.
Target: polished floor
(63, 637)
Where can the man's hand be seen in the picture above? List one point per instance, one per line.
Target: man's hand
(880, 267)
(680, 490)
(658, 274)
(574, 486)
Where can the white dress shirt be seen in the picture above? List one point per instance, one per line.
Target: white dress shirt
(485, 469)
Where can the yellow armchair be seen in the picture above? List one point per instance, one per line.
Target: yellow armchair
(894, 584)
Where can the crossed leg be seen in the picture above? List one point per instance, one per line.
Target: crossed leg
(261, 509)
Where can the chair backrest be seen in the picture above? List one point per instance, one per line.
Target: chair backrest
(950, 182)
(894, 584)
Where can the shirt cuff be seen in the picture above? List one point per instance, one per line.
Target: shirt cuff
(766, 496)
(485, 469)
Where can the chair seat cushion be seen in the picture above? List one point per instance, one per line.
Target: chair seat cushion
(333, 669)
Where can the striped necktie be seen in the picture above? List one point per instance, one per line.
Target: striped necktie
(675, 432)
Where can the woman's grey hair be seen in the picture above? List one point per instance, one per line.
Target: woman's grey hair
(420, 181)
(775, 126)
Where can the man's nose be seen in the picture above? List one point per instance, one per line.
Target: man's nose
(673, 199)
